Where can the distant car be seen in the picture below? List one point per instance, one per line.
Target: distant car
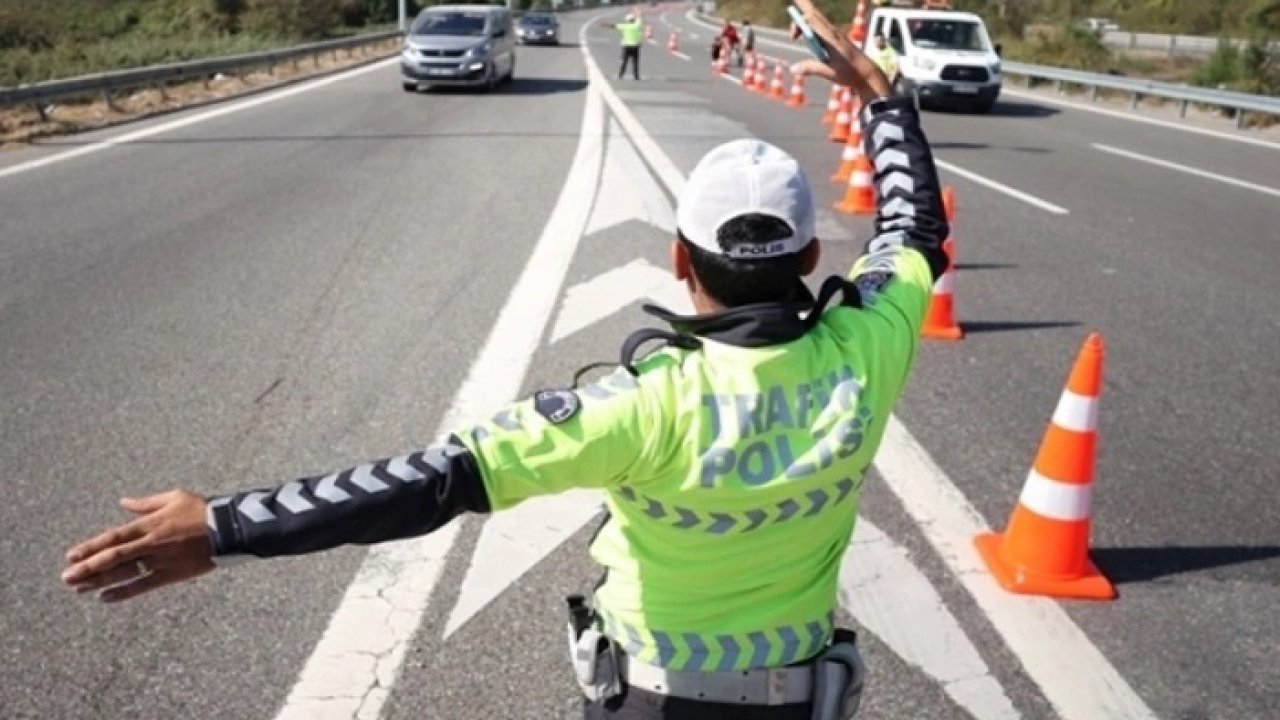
(538, 29)
(1098, 25)
(470, 45)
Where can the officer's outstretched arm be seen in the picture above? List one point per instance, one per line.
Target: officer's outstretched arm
(390, 499)
(552, 442)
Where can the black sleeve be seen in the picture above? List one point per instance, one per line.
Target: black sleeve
(391, 499)
(909, 199)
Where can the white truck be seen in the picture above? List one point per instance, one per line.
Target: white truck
(944, 57)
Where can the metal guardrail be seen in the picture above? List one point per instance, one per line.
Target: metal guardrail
(159, 75)
(1186, 95)
(1170, 44)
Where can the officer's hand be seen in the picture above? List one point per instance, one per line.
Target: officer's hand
(848, 66)
(166, 543)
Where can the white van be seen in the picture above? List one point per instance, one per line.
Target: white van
(944, 57)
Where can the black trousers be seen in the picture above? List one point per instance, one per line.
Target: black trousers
(640, 705)
(630, 54)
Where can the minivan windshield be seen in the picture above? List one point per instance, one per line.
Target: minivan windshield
(946, 34)
(449, 23)
(537, 20)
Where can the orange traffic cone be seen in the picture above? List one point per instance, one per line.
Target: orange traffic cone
(648, 33)
(778, 88)
(833, 105)
(721, 64)
(940, 321)
(858, 33)
(1045, 549)
(840, 128)
(749, 71)
(762, 76)
(672, 45)
(949, 206)
(860, 194)
(797, 99)
(852, 149)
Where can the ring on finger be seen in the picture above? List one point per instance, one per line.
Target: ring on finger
(141, 565)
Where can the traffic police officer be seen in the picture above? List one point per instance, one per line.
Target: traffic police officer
(631, 36)
(731, 460)
(886, 57)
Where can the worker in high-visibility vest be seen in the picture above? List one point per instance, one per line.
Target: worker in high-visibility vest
(631, 34)
(885, 57)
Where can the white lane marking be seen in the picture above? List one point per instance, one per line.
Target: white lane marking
(631, 192)
(1001, 187)
(191, 119)
(1075, 676)
(1056, 654)
(515, 540)
(1184, 127)
(353, 668)
(681, 55)
(887, 593)
(591, 301)
(731, 78)
(1225, 179)
(667, 172)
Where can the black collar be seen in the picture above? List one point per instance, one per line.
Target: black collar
(751, 326)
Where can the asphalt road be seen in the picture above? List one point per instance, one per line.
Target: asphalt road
(303, 284)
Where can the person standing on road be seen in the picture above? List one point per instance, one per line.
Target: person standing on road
(748, 41)
(631, 35)
(731, 460)
(728, 41)
(886, 58)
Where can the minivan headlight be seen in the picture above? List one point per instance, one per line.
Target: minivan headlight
(479, 50)
(995, 68)
(923, 63)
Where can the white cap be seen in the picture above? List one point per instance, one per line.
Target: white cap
(630, 17)
(740, 178)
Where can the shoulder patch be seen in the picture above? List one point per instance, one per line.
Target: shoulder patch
(556, 406)
(870, 284)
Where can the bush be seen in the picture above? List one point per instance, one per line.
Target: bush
(301, 19)
(46, 39)
(1068, 47)
(1221, 69)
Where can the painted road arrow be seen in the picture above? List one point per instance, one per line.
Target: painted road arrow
(628, 191)
(589, 302)
(515, 540)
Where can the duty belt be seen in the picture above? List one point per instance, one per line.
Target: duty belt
(764, 686)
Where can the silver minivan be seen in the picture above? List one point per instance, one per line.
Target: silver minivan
(472, 45)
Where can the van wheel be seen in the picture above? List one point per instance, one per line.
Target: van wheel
(511, 71)
(491, 78)
(409, 87)
(983, 106)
